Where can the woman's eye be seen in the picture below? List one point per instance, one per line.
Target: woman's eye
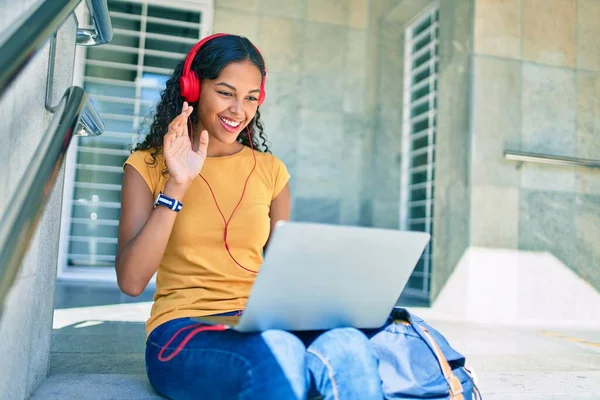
(251, 98)
(225, 93)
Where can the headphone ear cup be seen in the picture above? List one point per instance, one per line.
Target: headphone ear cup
(263, 93)
(189, 86)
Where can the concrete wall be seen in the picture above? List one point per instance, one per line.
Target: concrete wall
(452, 184)
(536, 87)
(26, 326)
(334, 100)
(383, 184)
(517, 74)
(452, 190)
(316, 113)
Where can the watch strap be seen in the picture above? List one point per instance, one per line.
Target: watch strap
(168, 202)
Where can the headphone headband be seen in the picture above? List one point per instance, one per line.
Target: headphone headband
(189, 83)
(194, 50)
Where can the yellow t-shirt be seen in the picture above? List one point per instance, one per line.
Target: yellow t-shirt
(196, 275)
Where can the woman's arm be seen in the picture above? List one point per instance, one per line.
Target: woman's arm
(280, 209)
(143, 232)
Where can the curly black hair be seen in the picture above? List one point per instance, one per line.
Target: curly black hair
(208, 63)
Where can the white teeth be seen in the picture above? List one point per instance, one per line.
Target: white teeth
(230, 123)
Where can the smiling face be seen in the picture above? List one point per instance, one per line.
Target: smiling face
(228, 103)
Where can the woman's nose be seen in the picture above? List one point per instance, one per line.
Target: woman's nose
(236, 106)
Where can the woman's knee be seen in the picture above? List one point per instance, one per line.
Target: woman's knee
(346, 345)
(344, 365)
(286, 348)
(290, 356)
(285, 343)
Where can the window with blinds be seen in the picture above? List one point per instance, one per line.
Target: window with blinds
(124, 79)
(418, 142)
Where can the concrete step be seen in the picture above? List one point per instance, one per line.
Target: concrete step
(96, 387)
(572, 385)
(104, 345)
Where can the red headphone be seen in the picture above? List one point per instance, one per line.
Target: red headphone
(189, 83)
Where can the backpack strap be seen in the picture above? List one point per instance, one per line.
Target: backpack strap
(456, 389)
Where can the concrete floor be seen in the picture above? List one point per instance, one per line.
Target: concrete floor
(98, 352)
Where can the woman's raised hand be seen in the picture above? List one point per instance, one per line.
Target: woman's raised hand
(183, 163)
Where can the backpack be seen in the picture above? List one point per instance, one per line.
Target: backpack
(417, 362)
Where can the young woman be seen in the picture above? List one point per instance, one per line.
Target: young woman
(200, 198)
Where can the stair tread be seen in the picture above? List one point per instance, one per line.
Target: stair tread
(96, 387)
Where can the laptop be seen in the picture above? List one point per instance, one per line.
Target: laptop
(319, 277)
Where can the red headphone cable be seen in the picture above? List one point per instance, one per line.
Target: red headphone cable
(197, 329)
(227, 221)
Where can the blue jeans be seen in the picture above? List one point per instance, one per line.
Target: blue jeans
(274, 364)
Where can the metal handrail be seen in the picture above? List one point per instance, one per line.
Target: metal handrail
(19, 44)
(75, 116)
(103, 31)
(523, 156)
